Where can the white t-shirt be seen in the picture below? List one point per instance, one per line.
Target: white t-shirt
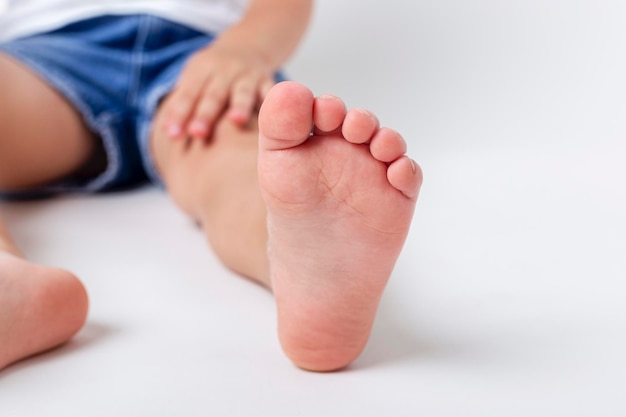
(25, 17)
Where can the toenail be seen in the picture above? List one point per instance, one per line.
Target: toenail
(413, 165)
(368, 114)
(329, 97)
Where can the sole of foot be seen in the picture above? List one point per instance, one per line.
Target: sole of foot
(40, 308)
(340, 199)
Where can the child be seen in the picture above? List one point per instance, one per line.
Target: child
(101, 95)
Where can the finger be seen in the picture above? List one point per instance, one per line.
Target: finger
(178, 108)
(208, 108)
(242, 100)
(179, 105)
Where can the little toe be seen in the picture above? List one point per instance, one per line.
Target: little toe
(286, 116)
(387, 145)
(406, 176)
(359, 125)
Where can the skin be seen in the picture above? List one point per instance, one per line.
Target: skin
(223, 164)
(40, 307)
(233, 75)
(351, 192)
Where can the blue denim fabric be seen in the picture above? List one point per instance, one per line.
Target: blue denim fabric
(114, 70)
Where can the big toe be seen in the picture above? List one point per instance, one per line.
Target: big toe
(286, 116)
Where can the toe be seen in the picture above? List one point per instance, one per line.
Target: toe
(328, 113)
(359, 126)
(406, 176)
(286, 116)
(387, 145)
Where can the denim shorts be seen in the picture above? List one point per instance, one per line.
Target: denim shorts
(114, 70)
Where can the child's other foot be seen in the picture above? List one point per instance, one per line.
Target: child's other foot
(40, 308)
(339, 203)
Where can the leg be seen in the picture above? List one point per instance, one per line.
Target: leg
(40, 307)
(333, 209)
(43, 138)
(216, 183)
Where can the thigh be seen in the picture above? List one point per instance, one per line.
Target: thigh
(42, 137)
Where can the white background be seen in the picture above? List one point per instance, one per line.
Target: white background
(509, 299)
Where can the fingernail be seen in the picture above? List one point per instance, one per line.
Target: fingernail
(197, 127)
(413, 165)
(174, 130)
(237, 116)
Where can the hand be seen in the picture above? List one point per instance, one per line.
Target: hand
(218, 81)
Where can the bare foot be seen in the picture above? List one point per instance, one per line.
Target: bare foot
(40, 308)
(339, 203)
